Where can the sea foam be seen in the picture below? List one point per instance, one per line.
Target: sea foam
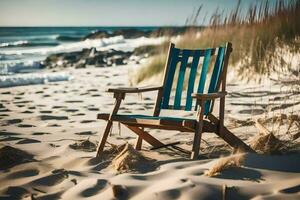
(66, 47)
(116, 42)
(32, 78)
(13, 44)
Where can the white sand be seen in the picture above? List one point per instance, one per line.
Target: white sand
(44, 120)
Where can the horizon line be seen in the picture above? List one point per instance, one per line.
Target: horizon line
(125, 26)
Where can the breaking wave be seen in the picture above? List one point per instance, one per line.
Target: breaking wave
(32, 79)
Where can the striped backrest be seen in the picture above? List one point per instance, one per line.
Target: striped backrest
(192, 65)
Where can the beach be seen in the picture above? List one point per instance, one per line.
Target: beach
(221, 78)
(50, 122)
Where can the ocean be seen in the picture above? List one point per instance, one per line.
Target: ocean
(23, 48)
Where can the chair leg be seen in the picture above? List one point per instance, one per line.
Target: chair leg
(138, 144)
(196, 143)
(198, 131)
(104, 138)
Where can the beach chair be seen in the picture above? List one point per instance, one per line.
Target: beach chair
(180, 61)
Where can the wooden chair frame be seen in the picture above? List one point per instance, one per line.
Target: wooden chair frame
(203, 123)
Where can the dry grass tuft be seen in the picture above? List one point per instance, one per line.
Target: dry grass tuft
(114, 149)
(222, 164)
(265, 141)
(267, 144)
(128, 159)
(84, 145)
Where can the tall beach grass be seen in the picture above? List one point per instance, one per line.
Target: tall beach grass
(255, 36)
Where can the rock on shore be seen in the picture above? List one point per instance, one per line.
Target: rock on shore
(80, 59)
(85, 57)
(131, 33)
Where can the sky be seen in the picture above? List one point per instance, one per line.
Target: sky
(108, 12)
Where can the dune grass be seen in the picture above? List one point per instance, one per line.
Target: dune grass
(255, 36)
(222, 164)
(154, 66)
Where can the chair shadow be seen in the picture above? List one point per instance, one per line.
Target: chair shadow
(239, 173)
(287, 163)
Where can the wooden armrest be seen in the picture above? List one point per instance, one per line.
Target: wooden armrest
(209, 95)
(133, 89)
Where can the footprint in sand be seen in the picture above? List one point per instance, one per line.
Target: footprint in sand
(22, 102)
(92, 90)
(23, 173)
(2, 116)
(57, 107)
(6, 92)
(26, 125)
(4, 110)
(96, 95)
(11, 156)
(41, 105)
(290, 190)
(100, 75)
(12, 121)
(87, 121)
(91, 191)
(27, 112)
(74, 101)
(170, 194)
(53, 179)
(6, 133)
(21, 106)
(53, 125)
(5, 101)
(52, 117)
(40, 133)
(14, 192)
(93, 109)
(10, 138)
(46, 111)
(86, 133)
(39, 92)
(28, 141)
(70, 110)
(78, 114)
